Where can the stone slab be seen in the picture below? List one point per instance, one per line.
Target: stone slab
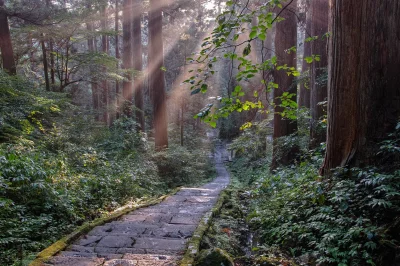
(120, 262)
(67, 261)
(101, 230)
(159, 243)
(77, 254)
(89, 240)
(186, 219)
(116, 242)
(83, 249)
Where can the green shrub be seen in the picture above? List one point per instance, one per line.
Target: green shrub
(178, 166)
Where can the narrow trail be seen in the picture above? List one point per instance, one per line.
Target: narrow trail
(155, 235)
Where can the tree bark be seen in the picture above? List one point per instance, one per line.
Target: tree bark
(157, 79)
(117, 55)
(127, 57)
(304, 92)
(286, 37)
(7, 53)
(45, 64)
(138, 64)
(51, 51)
(104, 45)
(319, 91)
(93, 81)
(363, 81)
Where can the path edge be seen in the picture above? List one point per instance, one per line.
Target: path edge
(193, 245)
(61, 244)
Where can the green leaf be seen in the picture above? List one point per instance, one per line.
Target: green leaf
(195, 91)
(262, 36)
(247, 50)
(253, 34)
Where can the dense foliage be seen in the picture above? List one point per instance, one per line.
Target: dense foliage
(58, 169)
(349, 219)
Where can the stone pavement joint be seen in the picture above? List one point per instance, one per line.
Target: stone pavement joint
(155, 235)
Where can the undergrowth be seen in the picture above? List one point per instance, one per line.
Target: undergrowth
(59, 168)
(351, 218)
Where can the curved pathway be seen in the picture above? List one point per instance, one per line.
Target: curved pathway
(155, 235)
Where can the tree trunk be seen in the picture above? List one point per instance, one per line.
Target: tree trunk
(138, 64)
(363, 82)
(286, 37)
(52, 73)
(319, 92)
(45, 64)
(304, 92)
(32, 51)
(127, 57)
(51, 50)
(7, 54)
(93, 82)
(157, 79)
(117, 55)
(104, 45)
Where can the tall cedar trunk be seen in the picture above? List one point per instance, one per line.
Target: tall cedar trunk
(51, 51)
(138, 63)
(104, 45)
(267, 75)
(319, 91)
(286, 37)
(304, 92)
(157, 79)
(7, 54)
(31, 45)
(127, 57)
(52, 72)
(91, 47)
(363, 82)
(117, 55)
(45, 64)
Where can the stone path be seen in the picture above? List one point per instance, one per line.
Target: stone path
(155, 235)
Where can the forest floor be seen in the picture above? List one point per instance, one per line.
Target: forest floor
(156, 235)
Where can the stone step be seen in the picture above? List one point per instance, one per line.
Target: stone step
(75, 261)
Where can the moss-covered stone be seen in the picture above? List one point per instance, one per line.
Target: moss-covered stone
(213, 257)
(273, 261)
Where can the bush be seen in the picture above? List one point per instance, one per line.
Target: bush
(178, 166)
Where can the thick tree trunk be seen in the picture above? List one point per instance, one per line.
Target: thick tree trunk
(7, 54)
(127, 57)
(363, 82)
(104, 45)
(157, 79)
(286, 37)
(138, 63)
(117, 55)
(319, 91)
(45, 64)
(304, 92)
